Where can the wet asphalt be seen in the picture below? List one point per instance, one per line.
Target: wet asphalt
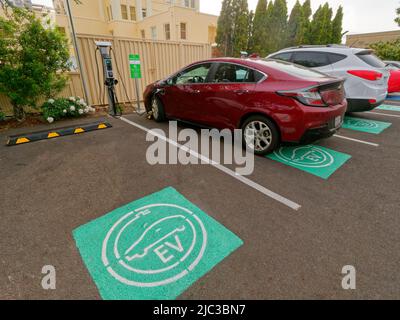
(49, 188)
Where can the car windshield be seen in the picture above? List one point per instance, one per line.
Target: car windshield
(292, 69)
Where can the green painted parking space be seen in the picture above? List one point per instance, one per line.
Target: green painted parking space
(319, 161)
(386, 107)
(364, 125)
(153, 248)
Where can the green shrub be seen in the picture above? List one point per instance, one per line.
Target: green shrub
(2, 116)
(73, 107)
(34, 57)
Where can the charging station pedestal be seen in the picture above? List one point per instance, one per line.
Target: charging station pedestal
(110, 81)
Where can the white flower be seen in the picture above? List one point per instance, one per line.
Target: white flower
(80, 111)
(82, 102)
(92, 109)
(72, 108)
(86, 110)
(50, 120)
(51, 101)
(65, 111)
(72, 99)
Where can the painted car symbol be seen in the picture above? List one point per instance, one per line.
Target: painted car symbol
(155, 234)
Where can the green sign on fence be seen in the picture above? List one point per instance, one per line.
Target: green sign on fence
(135, 66)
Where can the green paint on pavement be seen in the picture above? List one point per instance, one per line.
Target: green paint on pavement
(316, 160)
(387, 107)
(153, 248)
(364, 125)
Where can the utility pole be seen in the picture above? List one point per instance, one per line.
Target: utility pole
(78, 57)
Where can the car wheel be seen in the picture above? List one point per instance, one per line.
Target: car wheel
(157, 109)
(260, 134)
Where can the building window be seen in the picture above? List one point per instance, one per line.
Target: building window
(190, 4)
(143, 34)
(154, 33)
(133, 13)
(167, 31)
(124, 12)
(212, 34)
(183, 31)
(144, 12)
(111, 13)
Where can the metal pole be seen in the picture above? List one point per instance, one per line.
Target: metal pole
(137, 95)
(78, 57)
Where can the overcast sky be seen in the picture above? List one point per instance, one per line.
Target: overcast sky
(360, 15)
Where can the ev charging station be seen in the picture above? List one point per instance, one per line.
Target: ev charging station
(105, 49)
(110, 81)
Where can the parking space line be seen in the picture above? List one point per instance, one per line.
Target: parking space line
(233, 174)
(384, 114)
(357, 140)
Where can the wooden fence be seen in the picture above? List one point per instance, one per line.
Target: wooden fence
(158, 58)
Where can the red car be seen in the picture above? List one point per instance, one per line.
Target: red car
(394, 81)
(271, 101)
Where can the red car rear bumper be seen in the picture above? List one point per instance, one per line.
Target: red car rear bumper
(313, 123)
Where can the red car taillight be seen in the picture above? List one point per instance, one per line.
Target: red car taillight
(309, 97)
(366, 74)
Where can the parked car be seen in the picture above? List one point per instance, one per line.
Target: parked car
(280, 101)
(394, 80)
(366, 76)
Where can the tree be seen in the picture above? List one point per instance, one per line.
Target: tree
(337, 29)
(225, 28)
(241, 27)
(250, 43)
(278, 25)
(307, 13)
(33, 59)
(321, 26)
(326, 31)
(398, 16)
(387, 50)
(259, 33)
(296, 26)
(233, 27)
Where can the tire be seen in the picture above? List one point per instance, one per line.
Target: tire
(157, 109)
(266, 134)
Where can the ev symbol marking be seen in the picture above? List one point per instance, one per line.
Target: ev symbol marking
(154, 245)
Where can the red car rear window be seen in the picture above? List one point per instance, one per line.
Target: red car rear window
(292, 69)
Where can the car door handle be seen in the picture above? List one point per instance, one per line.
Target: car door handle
(196, 91)
(240, 92)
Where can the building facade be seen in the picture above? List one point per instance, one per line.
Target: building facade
(366, 39)
(20, 3)
(168, 20)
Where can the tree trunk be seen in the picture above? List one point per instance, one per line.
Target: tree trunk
(19, 113)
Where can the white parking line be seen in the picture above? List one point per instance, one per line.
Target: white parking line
(356, 140)
(233, 174)
(384, 114)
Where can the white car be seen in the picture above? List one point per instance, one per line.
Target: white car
(366, 76)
